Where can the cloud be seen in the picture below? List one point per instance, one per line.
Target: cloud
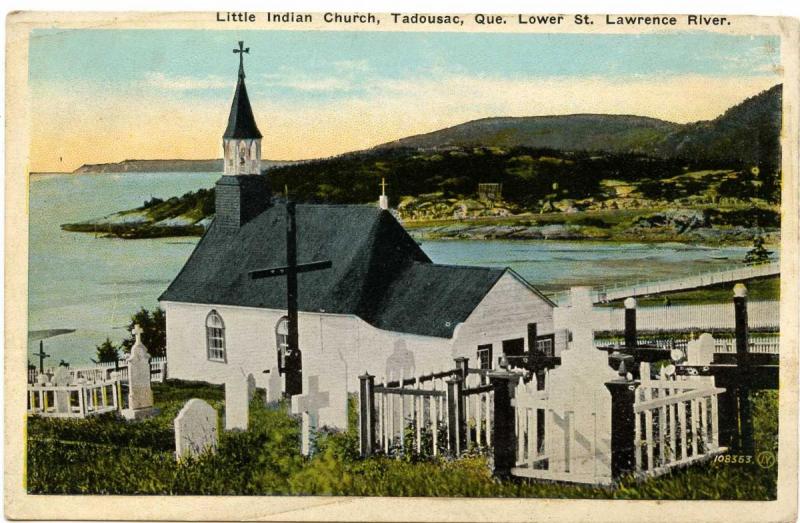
(308, 83)
(185, 83)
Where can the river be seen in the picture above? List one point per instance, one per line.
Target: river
(94, 284)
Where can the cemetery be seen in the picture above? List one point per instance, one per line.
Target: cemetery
(621, 421)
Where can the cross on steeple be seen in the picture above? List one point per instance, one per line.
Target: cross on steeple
(383, 186)
(242, 49)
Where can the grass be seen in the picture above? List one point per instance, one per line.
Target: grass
(106, 456)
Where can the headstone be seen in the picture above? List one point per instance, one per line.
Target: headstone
(251, 387)
(237, 402)
(62, 378)
(274, 386)
(307, 428)
(140, 395)
(701, 350)
(578, 437)
(196, 429)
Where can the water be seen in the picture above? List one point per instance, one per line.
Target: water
(93, 285)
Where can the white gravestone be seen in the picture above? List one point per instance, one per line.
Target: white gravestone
(274, 386)
(701, 350)
(237, 402)
(309, 405)
(578, 438)
(62, 378)
(251, 387)
(196, 430)
(140, 395)
(325, 395)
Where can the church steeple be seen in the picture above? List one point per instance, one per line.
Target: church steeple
(242, 193)
(241, 141)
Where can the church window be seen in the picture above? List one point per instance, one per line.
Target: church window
(282, 342)
(215, 337)
(485, 356)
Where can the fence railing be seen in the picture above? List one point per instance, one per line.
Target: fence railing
(104, 370)
(74, 401)
(676, 422)
(712, 316)
(757, 344)
(762, 345)
(643, 287)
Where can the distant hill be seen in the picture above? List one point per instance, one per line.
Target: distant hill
(166, 166)
(574, 132)
(748, 132)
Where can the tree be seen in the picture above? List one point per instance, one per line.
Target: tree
(154, 331)
(758, 253)
(107, 352)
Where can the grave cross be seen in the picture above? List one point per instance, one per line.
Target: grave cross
(242, 49)
(41, 355)
(137, 332)
(293, 366)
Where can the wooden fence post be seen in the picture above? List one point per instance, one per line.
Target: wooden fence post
(504, 444)
(630, 323)
(456, 433)
(462, 365)
(623, 424)
(366, 415)
(743, 367)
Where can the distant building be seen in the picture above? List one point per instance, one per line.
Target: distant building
(490, 192)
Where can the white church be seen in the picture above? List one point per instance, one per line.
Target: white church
(382, 307)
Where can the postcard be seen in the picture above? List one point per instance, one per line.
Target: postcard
(401, 266)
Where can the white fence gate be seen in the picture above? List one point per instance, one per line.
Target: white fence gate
(676, 421)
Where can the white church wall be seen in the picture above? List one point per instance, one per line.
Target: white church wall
(503, 314)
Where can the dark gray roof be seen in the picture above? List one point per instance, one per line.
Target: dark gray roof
(241, 122)
(379, 272)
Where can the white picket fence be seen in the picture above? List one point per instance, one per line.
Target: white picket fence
(676, 421)
(712, 316)
(79, 400)
(760, 345)
(103, 370)
(675, 424)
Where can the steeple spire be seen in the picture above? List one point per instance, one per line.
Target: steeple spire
(242, 50)
(241, 122)
(241, 141)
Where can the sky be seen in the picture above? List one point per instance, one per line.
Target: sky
(108, 95)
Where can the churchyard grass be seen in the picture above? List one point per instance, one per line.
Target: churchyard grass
(104, 455)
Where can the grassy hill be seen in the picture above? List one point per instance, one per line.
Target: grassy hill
(747, 133)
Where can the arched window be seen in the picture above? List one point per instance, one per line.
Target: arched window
(282, 342)
(215, 337)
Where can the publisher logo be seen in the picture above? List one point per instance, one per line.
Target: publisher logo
(766, 459)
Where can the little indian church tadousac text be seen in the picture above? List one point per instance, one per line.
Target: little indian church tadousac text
(361, 294)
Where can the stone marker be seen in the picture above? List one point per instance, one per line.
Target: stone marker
(251, 387)
(237, 403)
(274, 385)
(62, 378)
(308, 427)
(140, 395)
(701, 350)
(196, 429)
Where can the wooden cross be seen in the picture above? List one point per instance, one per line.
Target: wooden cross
(41, 355)
(242, 49)
(293, 368)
